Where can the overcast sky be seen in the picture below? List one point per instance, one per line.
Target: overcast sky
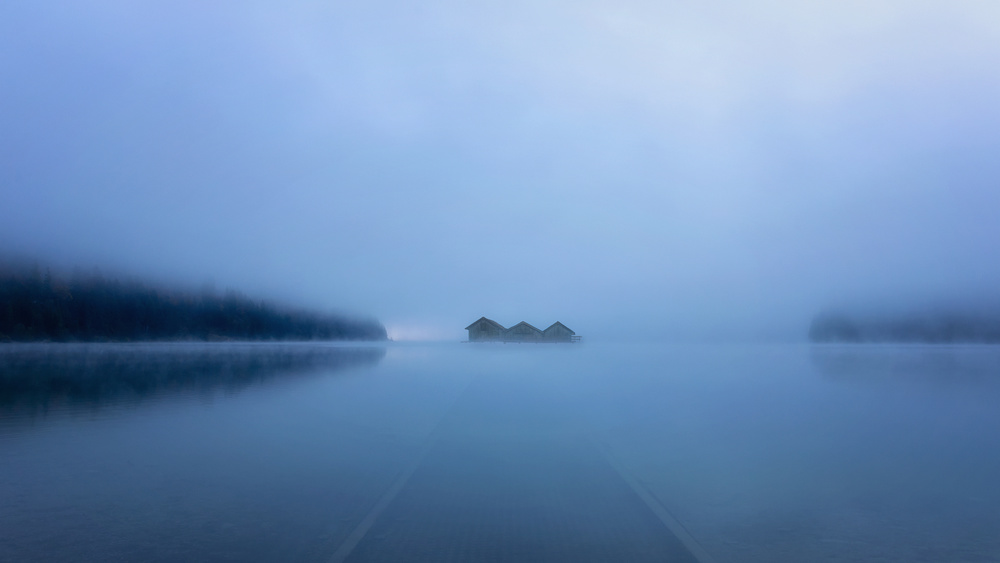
(691, 169)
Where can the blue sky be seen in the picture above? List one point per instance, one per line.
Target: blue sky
(681, 169)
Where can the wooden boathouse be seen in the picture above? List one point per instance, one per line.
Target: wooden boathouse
(488, 330)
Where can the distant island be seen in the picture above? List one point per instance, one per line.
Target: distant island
(37, 306)
(934, 325)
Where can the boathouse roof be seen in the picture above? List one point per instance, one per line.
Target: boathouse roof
(557, 323)
(527, 325)
(484, 319)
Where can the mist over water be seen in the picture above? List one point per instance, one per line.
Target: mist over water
(668, 171)
(696, 189)
(506, 453)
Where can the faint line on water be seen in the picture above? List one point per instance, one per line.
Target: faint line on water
(356, 536)
(657, 507)
(352, 541)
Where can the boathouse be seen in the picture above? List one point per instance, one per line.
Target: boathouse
(485, 329)
(558, 332)
(523, 332)
(488, 330)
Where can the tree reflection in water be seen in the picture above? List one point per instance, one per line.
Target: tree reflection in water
(36, 379)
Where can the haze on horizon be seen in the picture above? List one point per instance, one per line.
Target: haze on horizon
(682, 170)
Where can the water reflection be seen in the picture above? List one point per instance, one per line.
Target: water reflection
(41, 378)
(760, 453)
(972, 365)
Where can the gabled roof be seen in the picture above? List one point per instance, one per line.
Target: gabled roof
(484, 319)
(559, 324)
(525, 324)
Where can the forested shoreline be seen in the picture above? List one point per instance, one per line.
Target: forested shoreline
(36, 305)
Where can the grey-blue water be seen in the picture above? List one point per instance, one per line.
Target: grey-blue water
(463, 452)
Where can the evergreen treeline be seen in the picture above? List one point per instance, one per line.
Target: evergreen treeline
(941, 326)
(39, 306)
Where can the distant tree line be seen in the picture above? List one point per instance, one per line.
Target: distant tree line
(935, 326)
(36, 305)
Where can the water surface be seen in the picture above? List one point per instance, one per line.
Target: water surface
(460, 452)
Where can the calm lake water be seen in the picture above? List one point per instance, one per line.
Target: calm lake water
(463, 452)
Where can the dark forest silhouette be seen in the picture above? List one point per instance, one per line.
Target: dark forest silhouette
(36, 305)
